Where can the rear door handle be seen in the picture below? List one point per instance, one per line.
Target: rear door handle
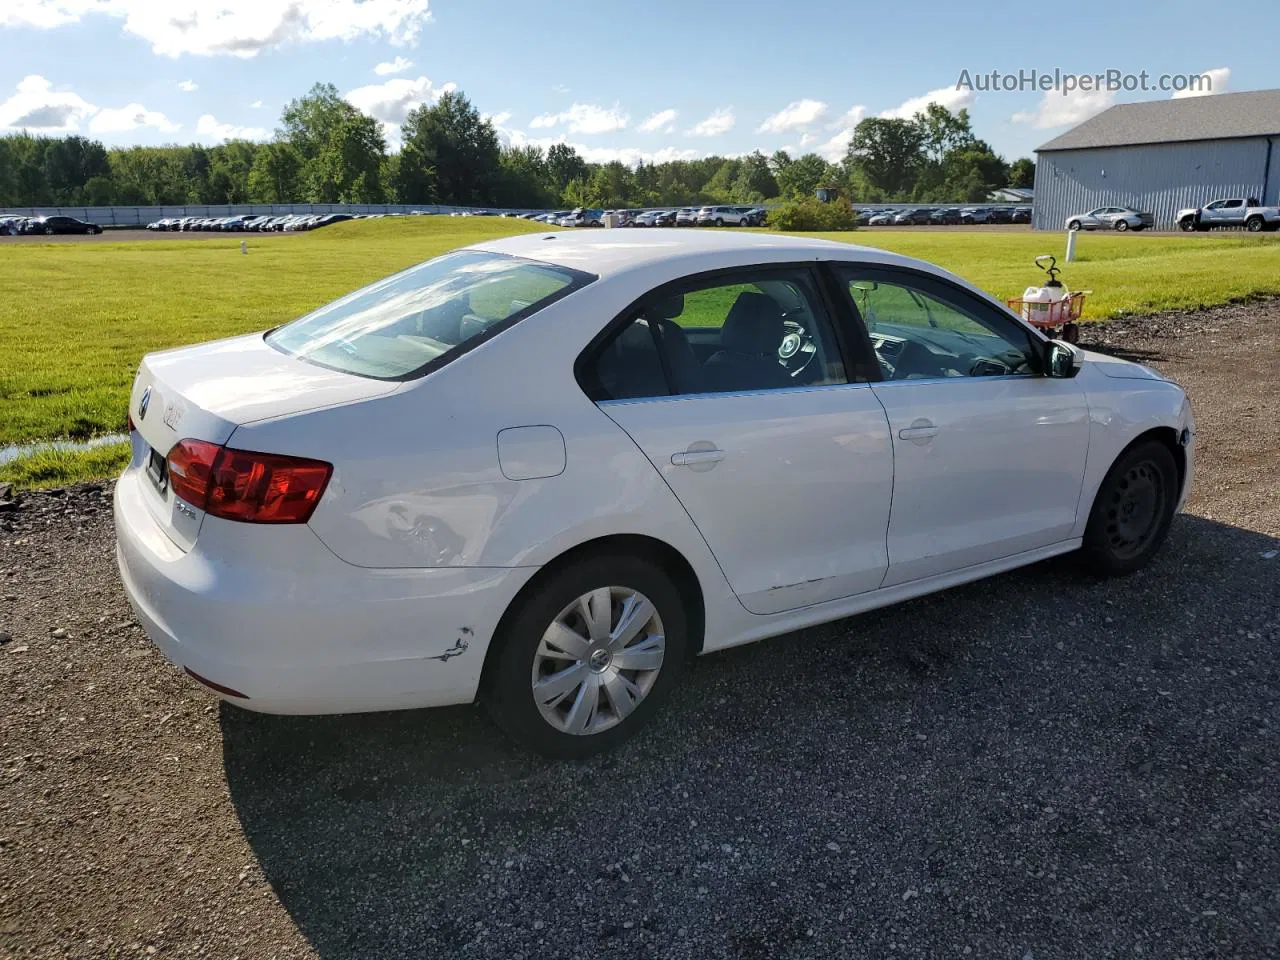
(921, 431)
(689, 458)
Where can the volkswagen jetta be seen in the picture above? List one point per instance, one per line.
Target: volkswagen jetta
(544, 471)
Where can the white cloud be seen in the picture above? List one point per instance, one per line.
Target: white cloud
(497, 119)
(631, 156)
(1058, 110)
(398, 65)
(208, 128)
(188, 86)
(798, 115)
(948, 97)
(133, 117)
(391, 102)
(584, 118)
(1214, 81)
(560, 88)
(720, 121)
(38, 107)
(850, 118)
(256, 105)
(835, 149)
(239, 28)
(660, 122)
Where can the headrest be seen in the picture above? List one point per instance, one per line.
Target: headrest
(665, 308)
(754, 325)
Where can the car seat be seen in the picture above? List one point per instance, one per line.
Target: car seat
(748, 354)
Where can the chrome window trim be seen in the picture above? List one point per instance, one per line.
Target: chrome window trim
(776, 391)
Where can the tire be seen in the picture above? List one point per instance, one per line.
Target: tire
(1254, 224)
(1187, 224)
(719, 221)
(1122, 226)
(1073, 225)
(1132, 512)
(520, 656)
(48, 231)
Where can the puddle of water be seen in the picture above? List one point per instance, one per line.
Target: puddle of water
(11, 453)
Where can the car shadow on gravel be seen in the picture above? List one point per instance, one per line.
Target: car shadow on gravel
(1029, 757)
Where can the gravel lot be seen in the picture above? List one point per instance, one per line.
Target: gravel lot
(1037, 766)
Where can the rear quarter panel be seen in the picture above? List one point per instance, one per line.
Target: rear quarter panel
(417, 480)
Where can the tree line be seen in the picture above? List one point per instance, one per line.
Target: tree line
(327, 151)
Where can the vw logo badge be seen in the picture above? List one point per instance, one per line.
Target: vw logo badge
(144, 403)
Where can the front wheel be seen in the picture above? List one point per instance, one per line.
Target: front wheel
(1073, 225)
(1132, 512)
(587, 658)
(1187, 224)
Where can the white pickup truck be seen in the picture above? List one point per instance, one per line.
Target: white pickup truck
(1244, 212)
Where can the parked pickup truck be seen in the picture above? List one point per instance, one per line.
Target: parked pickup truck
(1244, 212)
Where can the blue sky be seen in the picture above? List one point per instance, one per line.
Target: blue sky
(658, 81)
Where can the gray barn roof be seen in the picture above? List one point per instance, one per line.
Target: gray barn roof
(1219, 116)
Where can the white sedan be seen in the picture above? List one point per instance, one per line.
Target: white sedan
(1107, 218)
(544, 471)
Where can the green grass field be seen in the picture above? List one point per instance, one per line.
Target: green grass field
(75, 318)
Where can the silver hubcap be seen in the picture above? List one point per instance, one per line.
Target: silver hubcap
(599, 658)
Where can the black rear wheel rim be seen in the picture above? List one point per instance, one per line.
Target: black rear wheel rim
(1135, 509)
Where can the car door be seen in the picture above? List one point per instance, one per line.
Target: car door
(1212, 214)
(988, 454)
(741, 393)
(1232, 212)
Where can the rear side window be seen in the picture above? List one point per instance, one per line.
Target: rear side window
(410, 323)
(760, 329)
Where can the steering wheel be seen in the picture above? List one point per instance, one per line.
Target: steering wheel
(797, 349)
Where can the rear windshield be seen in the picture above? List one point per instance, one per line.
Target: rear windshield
(412, 322)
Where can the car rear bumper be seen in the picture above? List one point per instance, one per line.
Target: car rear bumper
(271, 614)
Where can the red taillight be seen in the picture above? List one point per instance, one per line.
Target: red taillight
(245, 485)
(190, 469)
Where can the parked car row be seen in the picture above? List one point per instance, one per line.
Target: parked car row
(244, 222)
(17, 226)
(721, 215)
(941, 216)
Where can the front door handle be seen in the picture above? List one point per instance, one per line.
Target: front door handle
(690, 458)
(921, 431)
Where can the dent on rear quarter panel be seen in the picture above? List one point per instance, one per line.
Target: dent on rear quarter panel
(417, 480)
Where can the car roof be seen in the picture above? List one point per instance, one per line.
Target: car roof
(605, 252)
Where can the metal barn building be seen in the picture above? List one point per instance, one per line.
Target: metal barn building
(1161, 156)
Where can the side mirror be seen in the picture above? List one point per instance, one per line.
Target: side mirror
(1061, 359)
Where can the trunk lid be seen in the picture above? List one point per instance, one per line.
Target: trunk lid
(204, 392)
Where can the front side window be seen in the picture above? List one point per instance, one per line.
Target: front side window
(394, 328)
(922, 329)
(767, 331)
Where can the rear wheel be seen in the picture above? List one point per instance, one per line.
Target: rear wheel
(1132, 511)
(585, 659)
(1254, 224)
(1122, 225)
